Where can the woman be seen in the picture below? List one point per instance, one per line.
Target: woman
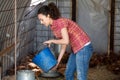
(68, 32)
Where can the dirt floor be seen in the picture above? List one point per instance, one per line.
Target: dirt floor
(97, 73)
(101, 68)
(101, 73)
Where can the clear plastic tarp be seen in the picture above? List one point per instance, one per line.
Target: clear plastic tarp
(93, 17)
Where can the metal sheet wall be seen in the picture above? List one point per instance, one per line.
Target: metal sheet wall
(93, 17)
(25, 32)
(117, 27)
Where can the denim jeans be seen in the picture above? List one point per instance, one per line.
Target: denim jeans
(79, 63)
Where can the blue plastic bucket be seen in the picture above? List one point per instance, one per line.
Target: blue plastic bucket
(45, 59)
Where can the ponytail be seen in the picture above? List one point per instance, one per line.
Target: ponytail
(51, 9)
(54, 11)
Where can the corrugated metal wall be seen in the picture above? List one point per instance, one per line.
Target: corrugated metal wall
(25, 31)
(117, 27)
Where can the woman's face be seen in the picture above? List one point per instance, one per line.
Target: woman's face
(45, 20)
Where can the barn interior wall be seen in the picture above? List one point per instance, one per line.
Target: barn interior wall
(93, 17)
(25, 28)
(117, 27)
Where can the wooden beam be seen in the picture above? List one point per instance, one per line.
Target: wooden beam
(74, 10)
(112, 21)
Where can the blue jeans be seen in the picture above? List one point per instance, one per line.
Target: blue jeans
(79, 63)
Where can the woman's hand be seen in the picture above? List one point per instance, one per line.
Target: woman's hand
(55, 67)
(49, 42)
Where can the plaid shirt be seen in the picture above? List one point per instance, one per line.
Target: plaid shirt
(78, 38)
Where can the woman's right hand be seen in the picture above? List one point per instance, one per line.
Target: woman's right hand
(49, 42)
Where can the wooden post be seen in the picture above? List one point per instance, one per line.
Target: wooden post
(0, 72)
(112, 26)
(74, 10)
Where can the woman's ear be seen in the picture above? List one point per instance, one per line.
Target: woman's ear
(48, 15)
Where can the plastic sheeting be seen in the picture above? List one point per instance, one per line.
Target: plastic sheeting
(93, 18)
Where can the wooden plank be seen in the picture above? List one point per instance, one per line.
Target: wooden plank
(7, 49)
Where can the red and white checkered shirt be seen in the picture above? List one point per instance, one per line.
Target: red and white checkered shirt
(78, 38)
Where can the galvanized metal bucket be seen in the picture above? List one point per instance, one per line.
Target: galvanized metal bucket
(25, 75)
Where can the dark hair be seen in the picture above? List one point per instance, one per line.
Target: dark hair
(50, 9)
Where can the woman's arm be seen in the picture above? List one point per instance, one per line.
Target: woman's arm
(63, 41)
(62, 51)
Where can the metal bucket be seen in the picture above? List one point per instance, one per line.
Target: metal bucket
(25, 75)
(45, 59)
(50, 74)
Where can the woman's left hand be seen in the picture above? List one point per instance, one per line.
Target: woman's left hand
(55, 67)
